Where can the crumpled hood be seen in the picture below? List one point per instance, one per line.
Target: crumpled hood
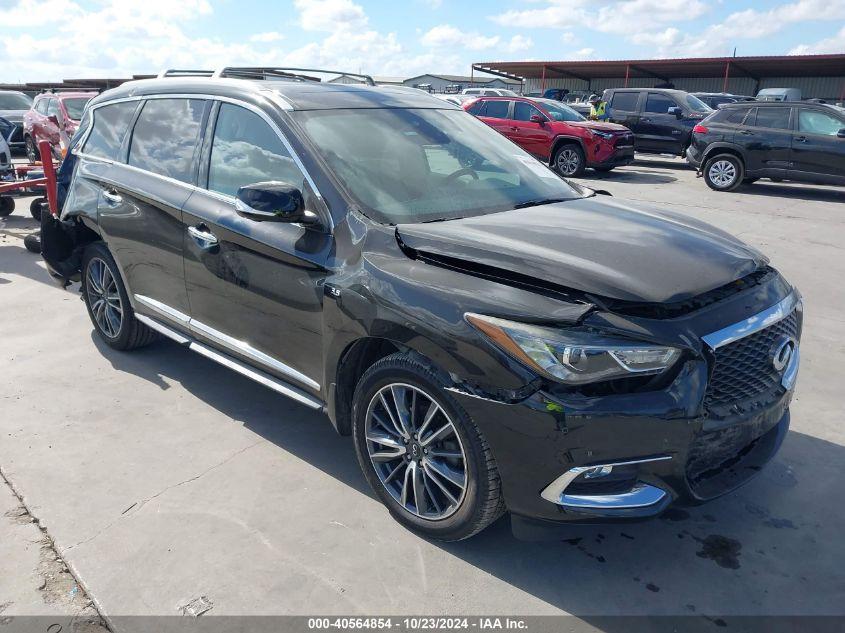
(611, 248)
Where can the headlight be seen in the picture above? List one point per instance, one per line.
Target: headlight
(604, 135)
(574, 357)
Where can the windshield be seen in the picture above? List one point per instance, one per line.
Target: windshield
(419, 165)
(697, 105)
(75, 107)
(559, 111)
(14, 101)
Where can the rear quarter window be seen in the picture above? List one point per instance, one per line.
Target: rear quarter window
(165, 137)
(109, 129)
(625, 101)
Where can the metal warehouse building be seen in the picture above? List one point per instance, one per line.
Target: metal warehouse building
(818, 76)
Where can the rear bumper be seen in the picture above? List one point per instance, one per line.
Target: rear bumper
(693, 156)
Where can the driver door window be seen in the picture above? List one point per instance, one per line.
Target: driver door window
(246, 150)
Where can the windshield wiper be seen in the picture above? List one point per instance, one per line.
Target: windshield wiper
(538, 202)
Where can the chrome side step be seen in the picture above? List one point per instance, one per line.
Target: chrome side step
(234, 364)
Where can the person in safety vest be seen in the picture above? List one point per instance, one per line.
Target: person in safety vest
(598, 109)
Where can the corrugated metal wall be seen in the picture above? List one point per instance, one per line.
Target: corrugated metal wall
(830, 88)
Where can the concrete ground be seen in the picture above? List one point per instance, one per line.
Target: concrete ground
(162, 477)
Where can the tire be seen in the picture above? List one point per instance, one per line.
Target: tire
(31, 150)
(35, 208)
(448, 511)
(7, 205)
(569, 160)
(32, 242)
(114, 319)
(724, 172)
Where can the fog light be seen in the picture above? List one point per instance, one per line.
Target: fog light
(598, 471)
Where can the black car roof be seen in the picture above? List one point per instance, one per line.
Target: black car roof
(674, 91)
(304, 95)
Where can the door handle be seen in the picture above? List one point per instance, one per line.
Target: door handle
(801, 139)
(747, 133)
(645, 120)
(204, 237)
(514, 129)
(112, 197)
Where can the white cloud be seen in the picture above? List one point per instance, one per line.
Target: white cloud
(330, 15)
(519, 43)
(269, 36)
(448, 36)
(835, 44)
(584, 53)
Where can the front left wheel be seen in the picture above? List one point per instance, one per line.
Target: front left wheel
(569, 160)
(107, 302)
(7, 205)
(422, 453)
(31, 150)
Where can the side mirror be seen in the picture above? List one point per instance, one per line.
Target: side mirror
(676, 111)
(841, 133)
(537, 118)
(53, 118)
(273, 202)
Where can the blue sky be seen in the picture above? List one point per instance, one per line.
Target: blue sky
(56, 39)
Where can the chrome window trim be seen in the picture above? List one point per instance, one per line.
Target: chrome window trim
(272, 96)
(753, 324)
(554, 492)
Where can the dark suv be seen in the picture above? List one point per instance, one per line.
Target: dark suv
(661, 119)
(781, 140)
(494, 338)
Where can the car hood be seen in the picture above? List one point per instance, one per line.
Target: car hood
(612, 248)
(600, 125)
(15, 116)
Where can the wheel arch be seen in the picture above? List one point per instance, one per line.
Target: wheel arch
(715, 149)
(566, 139)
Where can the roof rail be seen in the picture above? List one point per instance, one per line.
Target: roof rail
(68, 89)
(274, 72)
(184, 72)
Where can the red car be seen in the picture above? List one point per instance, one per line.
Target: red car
(52, 116)
(556, 134)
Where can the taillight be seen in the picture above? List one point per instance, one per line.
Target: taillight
(700, 129)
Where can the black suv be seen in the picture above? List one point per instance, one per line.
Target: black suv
(493, 337)
(781, 140)
(661, 119)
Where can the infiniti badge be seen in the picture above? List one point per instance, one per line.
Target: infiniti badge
(782, 351)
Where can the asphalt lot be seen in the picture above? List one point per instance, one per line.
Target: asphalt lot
(162, 477)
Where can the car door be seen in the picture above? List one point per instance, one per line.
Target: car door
(657, 130)
(766, 138)
(255, 287)
(533, 137)
(818, 152)
(624, 109)
(497, 115)
(140, 207)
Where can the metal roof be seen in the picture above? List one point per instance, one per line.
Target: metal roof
(668, 69)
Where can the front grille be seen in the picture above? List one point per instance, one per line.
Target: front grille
(744, 370)
(625, 140)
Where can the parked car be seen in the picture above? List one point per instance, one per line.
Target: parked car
(661, 119)
(793, 140)
(489, 92)
(54, 116)
(13, 106)
(7, 204)
(581, 107)
(456, 99)
(716, 99)
(779, 94)
(556, 134)
(493, 337)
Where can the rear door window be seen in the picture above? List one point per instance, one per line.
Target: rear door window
(246, 150)
(41, 106)
(477, 108)
(625, 101)
(773, 118)
(659, 104)
(497, 109)
(165, 137)
(110, 125)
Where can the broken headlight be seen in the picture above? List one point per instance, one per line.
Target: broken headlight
(574, 357)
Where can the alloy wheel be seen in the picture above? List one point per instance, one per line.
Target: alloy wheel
(568, 161)
(104, 297)
(722, 173)
(31, 150)
(416, 451)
